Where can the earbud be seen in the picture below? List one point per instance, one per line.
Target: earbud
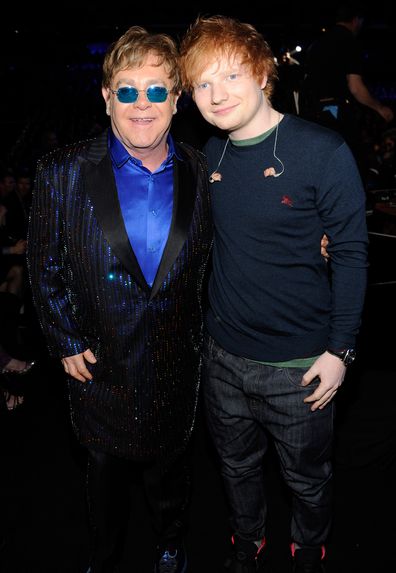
(270, 171)
(280, 172)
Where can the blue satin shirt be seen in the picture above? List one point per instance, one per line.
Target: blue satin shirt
(146, 201)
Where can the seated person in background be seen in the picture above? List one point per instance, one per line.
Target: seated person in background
(12, 258)
(9, 368)
(382, 162)
(333, 91)
(18, 205)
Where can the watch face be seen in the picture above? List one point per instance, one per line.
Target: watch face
(349, 357)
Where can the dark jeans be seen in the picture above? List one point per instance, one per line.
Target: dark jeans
(247, 401)
(108, 482)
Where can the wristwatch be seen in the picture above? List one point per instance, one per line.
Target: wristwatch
(346, 356)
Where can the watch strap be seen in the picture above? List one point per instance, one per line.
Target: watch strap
(347, 356)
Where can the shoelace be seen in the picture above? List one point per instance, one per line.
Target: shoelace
(168, 562)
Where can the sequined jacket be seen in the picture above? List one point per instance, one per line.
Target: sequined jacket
(89, 292)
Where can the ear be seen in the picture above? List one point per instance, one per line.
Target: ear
(174, 103)
(107, 97)
(263, 82)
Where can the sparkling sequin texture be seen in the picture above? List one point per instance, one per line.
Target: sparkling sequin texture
(90, 293)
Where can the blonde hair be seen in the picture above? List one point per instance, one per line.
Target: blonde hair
(217, 36)
(132, 49)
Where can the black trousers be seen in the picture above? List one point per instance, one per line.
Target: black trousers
(108, 485)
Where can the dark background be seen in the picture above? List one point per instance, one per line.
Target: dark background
(50, 76)
(50, 59)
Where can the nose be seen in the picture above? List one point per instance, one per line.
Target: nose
(142, 101)
(219, 93)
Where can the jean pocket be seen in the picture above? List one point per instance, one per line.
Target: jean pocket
(295, 376)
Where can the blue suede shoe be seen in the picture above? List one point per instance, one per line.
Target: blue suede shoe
(172, 559)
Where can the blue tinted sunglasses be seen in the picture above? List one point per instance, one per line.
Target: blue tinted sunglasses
(129, 94)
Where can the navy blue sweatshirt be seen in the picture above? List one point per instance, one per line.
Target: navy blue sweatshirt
(272, 295)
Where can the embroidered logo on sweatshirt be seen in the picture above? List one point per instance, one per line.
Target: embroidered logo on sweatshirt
(287, 201)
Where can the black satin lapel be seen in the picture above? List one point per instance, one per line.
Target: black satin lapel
(101, 188)
(184, 185)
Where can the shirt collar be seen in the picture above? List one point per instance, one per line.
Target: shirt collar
(119, 155)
